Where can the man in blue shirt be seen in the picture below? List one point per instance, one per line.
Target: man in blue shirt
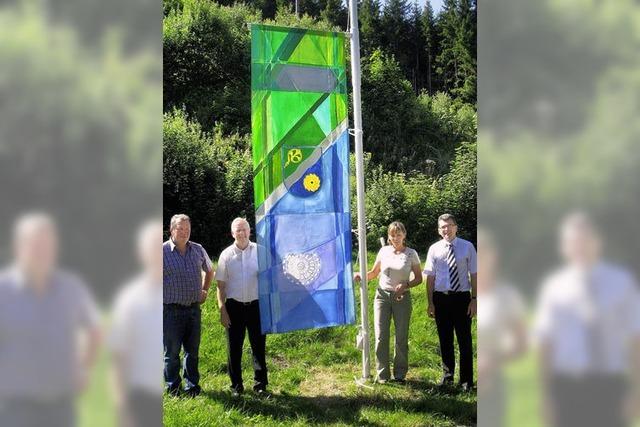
(43, 309)
(184, 289)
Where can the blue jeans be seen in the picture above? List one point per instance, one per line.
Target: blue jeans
(181, 330)
(54, 412)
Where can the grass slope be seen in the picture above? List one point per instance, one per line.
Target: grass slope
(311, 376)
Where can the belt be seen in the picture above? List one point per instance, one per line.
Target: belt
(255, 301)
(450, 292)
(184, 306)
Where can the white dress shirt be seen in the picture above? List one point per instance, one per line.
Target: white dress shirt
(436, 264)
(239, 270)
(136, 334)
(573, 303)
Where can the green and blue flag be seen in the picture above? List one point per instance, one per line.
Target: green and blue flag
(301, 178)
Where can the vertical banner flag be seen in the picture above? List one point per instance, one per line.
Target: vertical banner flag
(301, 178)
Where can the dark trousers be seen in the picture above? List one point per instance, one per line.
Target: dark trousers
(593, 400)
(246, 318)
(451, 316)
(181, 330)
(26, 412)
(144, 408)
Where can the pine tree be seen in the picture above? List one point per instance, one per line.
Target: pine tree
(428, 26)
(455, 62)
(370, 26)
(417, 37)
(466, 47)
(396, 32)
(335, 12)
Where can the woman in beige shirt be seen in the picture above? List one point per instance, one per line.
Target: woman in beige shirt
(394, 264)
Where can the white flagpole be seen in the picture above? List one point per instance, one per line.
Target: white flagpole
(362, 229)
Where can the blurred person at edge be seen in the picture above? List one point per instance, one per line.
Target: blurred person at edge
(502, 332)
(184, 289)
(587, 328)
(135, 338)
(43, 313)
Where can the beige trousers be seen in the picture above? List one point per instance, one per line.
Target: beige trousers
(385, 308)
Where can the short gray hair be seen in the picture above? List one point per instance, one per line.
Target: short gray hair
(178, 218)
(147, 231)
(33, 220)
(447, 217)
(240, 219)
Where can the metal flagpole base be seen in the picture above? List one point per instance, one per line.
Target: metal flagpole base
(362, 382)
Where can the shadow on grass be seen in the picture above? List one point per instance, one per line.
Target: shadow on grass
(346, 409)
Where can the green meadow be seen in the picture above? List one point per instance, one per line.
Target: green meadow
(312, 381)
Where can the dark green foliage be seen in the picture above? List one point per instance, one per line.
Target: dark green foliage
(406, 133)
(208, 177)
(430, 44)
(370, 26)
(390, 113)
(456, 62)
(206, 59)
(412, 139)
(335, 13)
(458, 190)
(417, 200)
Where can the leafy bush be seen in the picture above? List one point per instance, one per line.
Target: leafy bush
(208, 177)
(417, 200)
(406, 132)
(206, 57)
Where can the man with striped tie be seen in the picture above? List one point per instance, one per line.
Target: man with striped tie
(451, 271)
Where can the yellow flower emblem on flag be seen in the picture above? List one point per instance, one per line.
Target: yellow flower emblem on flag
(311, 182)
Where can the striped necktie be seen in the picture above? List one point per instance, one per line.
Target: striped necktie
(454, 279)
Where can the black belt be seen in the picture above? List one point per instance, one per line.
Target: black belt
(176, 305)
(255, 301)
(451, 292)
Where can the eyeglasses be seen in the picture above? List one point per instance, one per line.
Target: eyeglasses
(444, 227)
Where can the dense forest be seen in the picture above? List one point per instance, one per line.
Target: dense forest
(419, 110)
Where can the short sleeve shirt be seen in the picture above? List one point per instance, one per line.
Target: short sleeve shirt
(136, 333)
(395, 268)
(38, 334)
(573, 303)
(239, 270)
(466, 261)
(182, 274)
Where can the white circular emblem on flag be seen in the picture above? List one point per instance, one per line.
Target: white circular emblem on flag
(302, 268)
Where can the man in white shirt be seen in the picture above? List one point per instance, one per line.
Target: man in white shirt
(587, 329)
(136, 337)
(237, 278)
(451, 270)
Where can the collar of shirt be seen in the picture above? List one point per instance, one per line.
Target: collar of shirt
(453, 242)
(238, 251)
(172, 245)
(19, 279)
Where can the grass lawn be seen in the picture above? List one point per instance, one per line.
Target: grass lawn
(311, 378)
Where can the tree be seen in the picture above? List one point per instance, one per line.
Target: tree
(455, 63)
(370, 26)
(417, 36)
(396, 31)
(206, 58)
(428, 28)
(207, 176)
(335, 12)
